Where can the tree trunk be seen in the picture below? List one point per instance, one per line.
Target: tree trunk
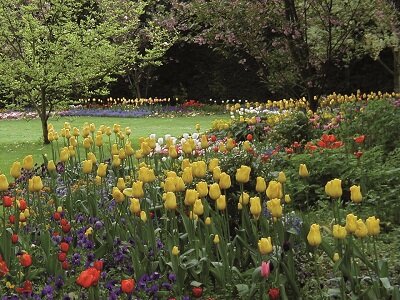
(44, 116)
(396, 70)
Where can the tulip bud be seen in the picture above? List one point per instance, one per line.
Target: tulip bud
(3, 183)
(143, 216)
(255, 207)
(102, 170)
(216, 239)
(314, 235)
(217, 173)
(208, 221)
(15, 170)
(287, 199)
(51, 166)
(198, 207)
(335, 257)
(134, 206)
(339, 232)
(361, 229)
(191, 196)
(243, 174)
(187, 175)
(261, 185)
(221, 202)
(87, 166)
(170, 201)
(355, 194)
(373, 226)
(27, 162)
(351, 223)
(244, 198)
(202, 189)
(175, 251)
(282, 177)
(214, 191)
(224, 181)
(303, 172)
(265, 245)
(117, 195)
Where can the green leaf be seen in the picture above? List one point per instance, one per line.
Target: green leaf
(242, 289)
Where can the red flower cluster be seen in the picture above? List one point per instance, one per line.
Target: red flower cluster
(192, 103)
(359, 139)
(89, 277)
(274, 293)
(7, 201)
(329, 141)
(197, 291)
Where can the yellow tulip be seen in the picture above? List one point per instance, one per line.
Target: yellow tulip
(175, 251)
(117, 195)
(102, 170)
(171, 174)
(51, 166)
(121, 154)
(143, 216)
(134, 207)
(274, 190)
(199, 169)
(246, 145)
(351, 223)
(243, 174)
(204, 141)
(274, 207)
(191, 196)
(221, 202)
(281, 177)
(116, 161)
(230, 144)
(224, 181)
(335, 257)
(71, 150)
(261, 185)
(187, 148)
(97, 180)
(303, 172)
(129, 149)
(255, 207)
(15, 170)
(172, 152)
(72, 141)
(92, 157)
(214, 191)
(244, 198)
(314, 236)
(170, 201)
(339, 232)
(121, 184)
(3, 183)
(86, 143)
(198, 207)
(64, 154)
(146, 175)
(202, 189)
(27, 162)
(187, 175)
(216, 173)
(265, 245)
(87, 166)
(334, 188)
(355, 194)
(185, 164)
(169, 184)
(287, 199)
(216, 239)
(361, 230)
(179, 184)
(373, 226)
(208, 221)
(138, 154)
(75, 131)
(146, 150)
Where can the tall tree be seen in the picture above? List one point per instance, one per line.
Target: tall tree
(297, 43)
(51, 50)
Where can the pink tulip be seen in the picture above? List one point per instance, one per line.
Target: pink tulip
(265, 269)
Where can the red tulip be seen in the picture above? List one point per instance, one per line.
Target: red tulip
(3, 267)
(89, 277)
(197, 291)
(64, 222)
(213, 138)
(66, 228)
(25, 260)
(7, 201)
(26, 288)
(64, 247)
(98, 264)
(62, 256)
(65, 265)
(22, 204)
(359, 139)
(11, 218)
(358, 154)
(57, 216)
(274, 293)
(249, 137)
(127, 285)
(14, 238)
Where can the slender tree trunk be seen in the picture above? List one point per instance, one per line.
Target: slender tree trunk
(44, 116)
(396, 70)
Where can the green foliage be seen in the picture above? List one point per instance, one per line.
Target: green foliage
(295, 128)
(379, 121)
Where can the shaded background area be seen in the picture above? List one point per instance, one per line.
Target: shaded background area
(198, 72)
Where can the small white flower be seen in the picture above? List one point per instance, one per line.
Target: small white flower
(160, 141)
(185, 136)
(164, 158)
(153, 136)
(195, 135)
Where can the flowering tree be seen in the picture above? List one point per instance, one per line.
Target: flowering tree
(297, 44)
(50, 50)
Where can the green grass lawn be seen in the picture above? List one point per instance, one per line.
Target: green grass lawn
(19, 138)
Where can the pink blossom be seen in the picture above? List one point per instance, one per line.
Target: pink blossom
(265, 269)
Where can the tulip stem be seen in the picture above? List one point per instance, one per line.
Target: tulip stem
(317, 274)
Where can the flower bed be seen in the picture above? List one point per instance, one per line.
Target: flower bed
(208, 216)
